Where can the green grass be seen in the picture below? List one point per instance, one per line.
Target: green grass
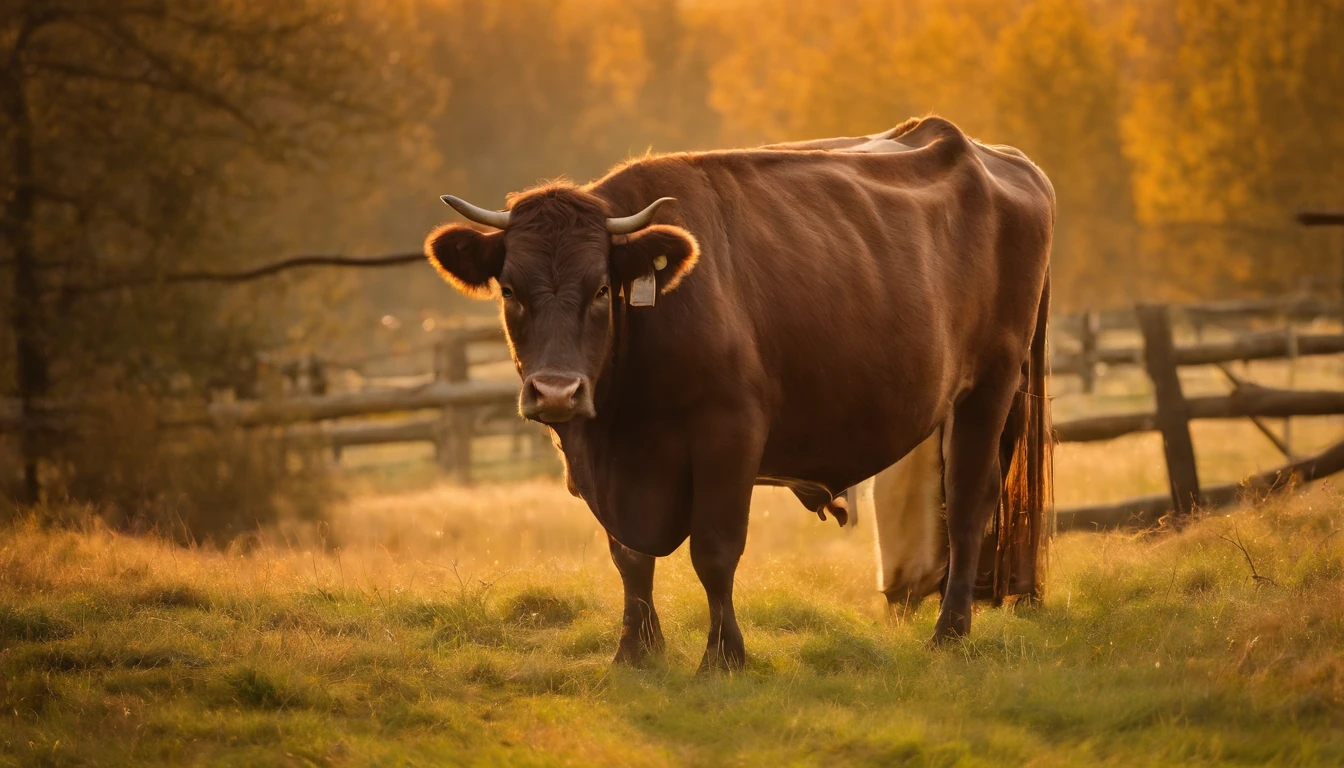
(476, 627)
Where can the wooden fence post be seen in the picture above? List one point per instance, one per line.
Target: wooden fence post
(1173, 413)
(317, 376)
(516, 444)
(542, 444)
(452, 444)
(1292, 384)
(1088, 335)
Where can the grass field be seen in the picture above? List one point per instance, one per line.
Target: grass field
(475, 628)
(436, 625)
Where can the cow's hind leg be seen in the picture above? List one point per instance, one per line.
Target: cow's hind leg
(640, 632)
(973, 485)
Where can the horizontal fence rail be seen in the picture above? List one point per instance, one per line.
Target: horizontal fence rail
(1268, 346)
(1147, 511)
(1290, 308)
(1247, 400)
(436, 394)
(450, 408)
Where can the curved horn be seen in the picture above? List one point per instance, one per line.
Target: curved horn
(627, 224)
(496, 219)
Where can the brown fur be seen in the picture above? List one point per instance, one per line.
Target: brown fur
(831, 309)
(1014, 552)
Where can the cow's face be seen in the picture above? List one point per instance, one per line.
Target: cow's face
(557, 271)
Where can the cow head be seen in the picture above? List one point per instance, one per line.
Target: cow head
(556, 264)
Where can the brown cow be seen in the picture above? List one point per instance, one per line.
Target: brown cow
(906, 499)
(818, 315)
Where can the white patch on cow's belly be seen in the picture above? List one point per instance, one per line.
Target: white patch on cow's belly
(907, 504)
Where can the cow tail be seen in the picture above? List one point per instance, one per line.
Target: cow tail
(1024, 511)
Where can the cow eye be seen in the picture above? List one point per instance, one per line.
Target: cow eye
(506, 292)
(603, 292)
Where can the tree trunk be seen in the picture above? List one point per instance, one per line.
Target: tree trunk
(31, 374)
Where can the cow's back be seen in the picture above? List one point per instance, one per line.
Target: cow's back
(854, 295)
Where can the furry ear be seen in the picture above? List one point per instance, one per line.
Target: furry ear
(669, 252)
(467, 259)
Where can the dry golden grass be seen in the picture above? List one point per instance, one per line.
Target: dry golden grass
(455, 626)
(444, 625)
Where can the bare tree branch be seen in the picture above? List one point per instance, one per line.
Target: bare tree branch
(76, 71)
(117, 34)
(265, 270)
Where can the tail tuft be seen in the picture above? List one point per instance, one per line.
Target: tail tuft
(1021, 526)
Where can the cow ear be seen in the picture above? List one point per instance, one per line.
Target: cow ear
(669, 252)
(467, 259)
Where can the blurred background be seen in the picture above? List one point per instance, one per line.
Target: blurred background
(144, 139)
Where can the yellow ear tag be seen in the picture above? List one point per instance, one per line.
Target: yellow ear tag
(659, 263)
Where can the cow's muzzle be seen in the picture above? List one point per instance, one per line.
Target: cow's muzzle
(554, 399)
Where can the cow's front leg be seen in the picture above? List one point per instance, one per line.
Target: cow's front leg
(724, 470)
(715, 555)
(640, 631)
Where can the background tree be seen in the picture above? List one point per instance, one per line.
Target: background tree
(130, 126)
(1238, 121)
(1057, 97)
(144, 137)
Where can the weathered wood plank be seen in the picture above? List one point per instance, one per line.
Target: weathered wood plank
(1145, 511)
(1249, 400)
(1173, 415)
(1096, 428)
(452, 435)
(1267, 346)
(438, 394)
(1089, 337)
(1290, 307)
(339, 434)
(1321, 218)
(345, 435)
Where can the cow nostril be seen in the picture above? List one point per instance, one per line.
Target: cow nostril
(568, 391)
(549, 392)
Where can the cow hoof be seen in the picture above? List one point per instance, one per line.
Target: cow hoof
(946, 632)
(711, 663)
(1028, 601)
(722, 660)
(632, 656)
(939, 642)
(635, 654)
(635, 648)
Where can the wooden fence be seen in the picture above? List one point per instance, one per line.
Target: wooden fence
(1162, 358)
(451, 408)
